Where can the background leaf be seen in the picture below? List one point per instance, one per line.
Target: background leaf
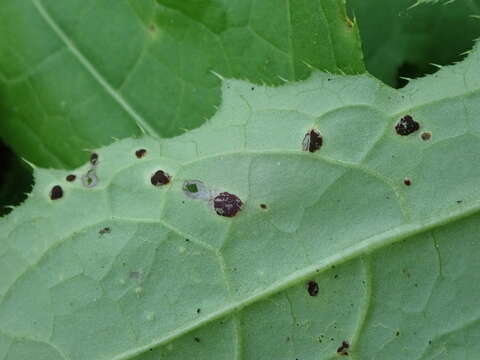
(75, 74)
(15, 179)
(400, 39)
(368, 246)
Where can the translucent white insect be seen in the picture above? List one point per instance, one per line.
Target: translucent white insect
(196, 189)
(90, 179)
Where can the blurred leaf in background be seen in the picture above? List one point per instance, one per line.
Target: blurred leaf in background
(76, 74)
(401, 38)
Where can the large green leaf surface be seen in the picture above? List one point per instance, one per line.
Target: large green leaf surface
(331, 253)
(74, 74)
(404, 37)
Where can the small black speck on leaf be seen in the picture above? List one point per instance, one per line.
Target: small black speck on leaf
(196, 339)
(94, 159)
(426, 136)
(312, 141)
(140, 153)
(335, 276)
(199, 311)
(105, 230)
(397, 333)
(160, 178)
(343, 349)
(312, 288)
(407, 182)
(226, 204)
(56, 192)
(70, 178)
(264, 206)
(459, 201)
(406, 126)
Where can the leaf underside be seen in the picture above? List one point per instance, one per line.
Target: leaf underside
(76, 74)
(123, 269)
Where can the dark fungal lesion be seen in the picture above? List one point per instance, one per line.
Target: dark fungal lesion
(105, 230)
(56, 192)
(406, 126)
(94, 159)
(140, 153)
(160, 178)
(343, 348)
(426, 135)
(226, 204)
(312, 288)
(312, 141)
(71, 178)
(90, 179)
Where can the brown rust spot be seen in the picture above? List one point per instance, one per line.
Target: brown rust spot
(71, 178)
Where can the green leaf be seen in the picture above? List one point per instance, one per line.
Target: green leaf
(331, 251)
(404, 40)
(75, 74)
(15, 180)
